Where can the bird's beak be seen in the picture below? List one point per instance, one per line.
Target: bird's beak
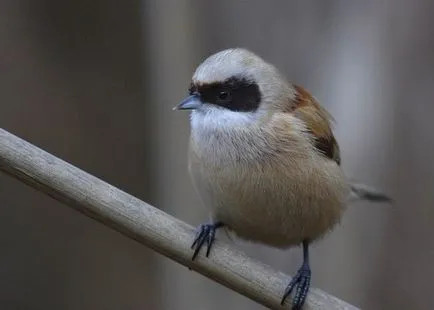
(190, 103)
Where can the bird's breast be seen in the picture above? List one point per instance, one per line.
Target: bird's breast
(278, 194)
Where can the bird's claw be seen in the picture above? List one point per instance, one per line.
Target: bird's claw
(204, 233)
(301, 281)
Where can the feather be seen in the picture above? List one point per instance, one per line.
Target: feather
(318, 122)
(364, 192)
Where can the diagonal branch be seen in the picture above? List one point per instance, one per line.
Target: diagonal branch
(148, 225)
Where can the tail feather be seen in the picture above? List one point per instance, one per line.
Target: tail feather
(363, 192)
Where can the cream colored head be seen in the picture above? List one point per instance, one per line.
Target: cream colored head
(250, 75)
(229, 63)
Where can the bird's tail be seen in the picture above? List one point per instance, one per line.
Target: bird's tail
(363, 192)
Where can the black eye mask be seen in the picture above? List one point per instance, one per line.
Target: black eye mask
(235, 94)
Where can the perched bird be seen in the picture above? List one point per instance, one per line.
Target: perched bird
(263, 158)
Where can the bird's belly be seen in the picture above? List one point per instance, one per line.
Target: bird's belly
(279, 207)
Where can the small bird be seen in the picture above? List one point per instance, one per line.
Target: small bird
(264, 160)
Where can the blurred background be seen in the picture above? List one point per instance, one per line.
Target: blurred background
(94, 82)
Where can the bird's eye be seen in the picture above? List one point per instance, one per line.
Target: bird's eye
(224, 96)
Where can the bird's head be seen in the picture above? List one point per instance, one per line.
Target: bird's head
(237, 83)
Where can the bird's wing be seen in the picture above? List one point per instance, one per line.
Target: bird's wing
(318, 121)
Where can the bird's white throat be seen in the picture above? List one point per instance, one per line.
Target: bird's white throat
(215, 119)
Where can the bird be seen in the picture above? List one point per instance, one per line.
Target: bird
(264, 160)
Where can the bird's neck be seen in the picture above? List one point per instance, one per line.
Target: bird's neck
(227, 136)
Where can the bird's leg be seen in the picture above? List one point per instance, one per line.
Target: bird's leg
(301, 281)
(205, 233)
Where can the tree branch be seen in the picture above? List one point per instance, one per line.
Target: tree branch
(148, 225)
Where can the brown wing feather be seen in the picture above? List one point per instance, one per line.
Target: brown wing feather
(318, 121)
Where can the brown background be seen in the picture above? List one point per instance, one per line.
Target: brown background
(94, 82)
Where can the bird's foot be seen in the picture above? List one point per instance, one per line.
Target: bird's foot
(204, 233)
(301, 282)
